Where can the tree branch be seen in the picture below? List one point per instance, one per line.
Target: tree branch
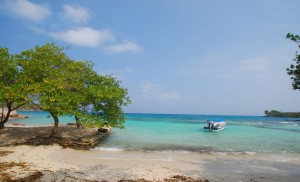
(18, 106)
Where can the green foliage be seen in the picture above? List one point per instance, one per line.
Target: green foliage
(274, 113)
(48, 79)
(13, 92)
(106, 98)
(51, 79)
(294, 69)
(28, 107)
(62, 86)
(10, 82)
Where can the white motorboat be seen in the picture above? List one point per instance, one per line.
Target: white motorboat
(215, 125)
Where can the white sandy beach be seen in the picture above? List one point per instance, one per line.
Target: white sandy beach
(57, 164)
(48, 162)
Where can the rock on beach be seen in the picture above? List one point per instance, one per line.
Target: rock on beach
(13, 114)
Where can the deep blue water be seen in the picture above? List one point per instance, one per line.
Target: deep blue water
(151, 132)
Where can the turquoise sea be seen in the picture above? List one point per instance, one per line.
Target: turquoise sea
(181, 132)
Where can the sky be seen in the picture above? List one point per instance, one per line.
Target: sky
(174, 56)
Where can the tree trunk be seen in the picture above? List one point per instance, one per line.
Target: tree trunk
(2, 117)
(3, 121)
(56, 121)
(78, 123)
(2, 113)
(9, 109)
(1, 125)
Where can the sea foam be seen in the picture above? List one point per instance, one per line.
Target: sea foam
(109, 149)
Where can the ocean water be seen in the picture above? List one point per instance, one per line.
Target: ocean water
(180, 132)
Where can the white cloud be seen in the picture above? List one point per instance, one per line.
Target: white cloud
(153, 91)
(28, 10)
(255, 65)
(126, 46)
(169, 96)
(148, 88)
(38, 30)
(84, 36)
(120, 74)
(76, 14)
(129, 70)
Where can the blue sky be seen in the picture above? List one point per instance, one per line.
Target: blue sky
(174, 56)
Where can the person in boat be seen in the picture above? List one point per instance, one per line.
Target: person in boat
(210, 124)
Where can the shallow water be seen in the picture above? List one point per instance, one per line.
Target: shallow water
(185, 132)
(174, 132)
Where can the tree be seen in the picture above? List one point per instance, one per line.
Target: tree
(274, 113)
(266, 112)
(105, 96)
(84, 105)
(63, 86)
(294, 69)
(13, 91)
(47, 78)
(53, 79)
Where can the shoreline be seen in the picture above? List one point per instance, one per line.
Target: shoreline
(19, 160)
(55, 163)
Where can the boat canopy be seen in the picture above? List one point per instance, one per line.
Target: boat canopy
(216, 120)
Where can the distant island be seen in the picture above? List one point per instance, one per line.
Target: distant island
(274, 113)
(29, 107)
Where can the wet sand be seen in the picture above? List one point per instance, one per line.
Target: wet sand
(58, 164)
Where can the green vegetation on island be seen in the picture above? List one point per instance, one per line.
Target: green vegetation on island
(48, 79)
(29, 107)
(274, 113)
